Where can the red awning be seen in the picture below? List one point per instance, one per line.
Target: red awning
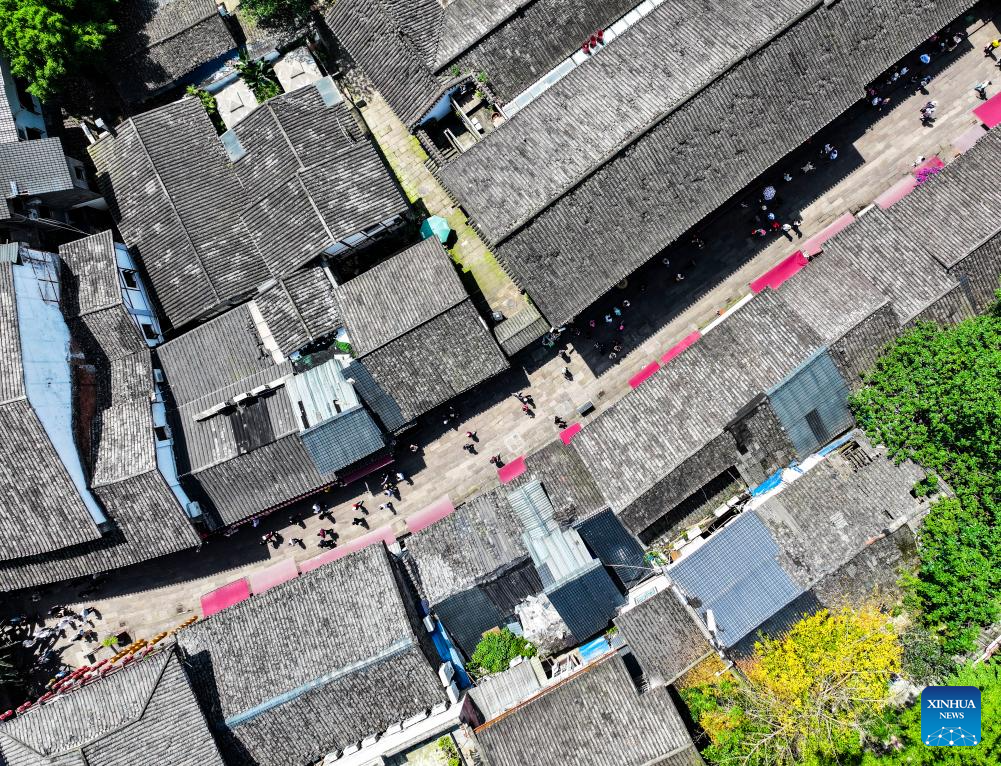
(989, 112)
(677, 348)
(437, 511)
(815, 243)
(897, 192)
(643, 375)
(567, 434)
(512, 470)
(226, 596)
(776, 276)
(276, 574)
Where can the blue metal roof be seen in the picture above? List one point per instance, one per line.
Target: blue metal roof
(737, 574)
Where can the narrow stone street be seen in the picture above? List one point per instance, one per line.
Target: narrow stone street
(877, 149)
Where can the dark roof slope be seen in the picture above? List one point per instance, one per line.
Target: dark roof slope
(357, 668)
(685, 156)
(163, 41)
(649, 433)
(143, 713)
(594, 718)
(664, 636)
(37, 167)
(92, 282)
(522, 47)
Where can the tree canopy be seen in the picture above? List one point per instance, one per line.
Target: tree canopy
(496, 650)
(935, 397)
(50, 41)
(904, 729)
(811, 695)
(284, 15)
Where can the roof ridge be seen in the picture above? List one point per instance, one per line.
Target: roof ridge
(622, 147)
(172, 206)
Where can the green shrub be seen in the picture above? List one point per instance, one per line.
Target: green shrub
(211, 107)
(496, 650)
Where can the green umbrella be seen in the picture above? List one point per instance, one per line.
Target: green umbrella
(436, 226)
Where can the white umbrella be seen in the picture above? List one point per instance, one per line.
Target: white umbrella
(768, 193)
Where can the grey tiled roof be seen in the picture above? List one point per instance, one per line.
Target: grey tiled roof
(163, 41)
(398, 295)
(358, 665)
(620, 188)
(632, 445)
(210, 230)
(41, 508)
(831, 296)
(395, 43)
(893, 259)
(184, 225)
(437, 361)
(479, 539)
(313, 177)
(594, 718)
(519, 331)
(416, 331)
(926, 213)
(134, 715)
(215, 355)
(763, 560)
(38, 167)
(11, 369)
(300, 308)
(830, 514)
(664, 637)
(528, 43)
(91, 276)
(569, 486)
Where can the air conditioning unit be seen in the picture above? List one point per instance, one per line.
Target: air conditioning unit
(158, 375)
(429, 624)
(446, 673)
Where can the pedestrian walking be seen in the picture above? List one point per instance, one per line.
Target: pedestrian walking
(981, 89)
(991, 48)
(625, 303)
(496, 460)
(608, 318)
(527, 410)
(322, 533)
(471, 448)
(925, 59)
(296, 541)
(400, 476)
(472, 435)
(567, 374)
(529, 400)
(414, 449)
(795, 227)
(358, 506)
(560, 422)
(786, 231)
(359, 523)
(391, 507)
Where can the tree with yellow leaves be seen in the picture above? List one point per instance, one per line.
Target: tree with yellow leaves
(809, 696)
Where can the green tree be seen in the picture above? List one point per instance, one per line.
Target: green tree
(48, 41)
(496, 650)
(259, 76)
(211, 107)
(935, 397)
(810, 697)
(284, 15)
(904, 746)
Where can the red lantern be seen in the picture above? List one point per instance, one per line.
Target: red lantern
(600, 34)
